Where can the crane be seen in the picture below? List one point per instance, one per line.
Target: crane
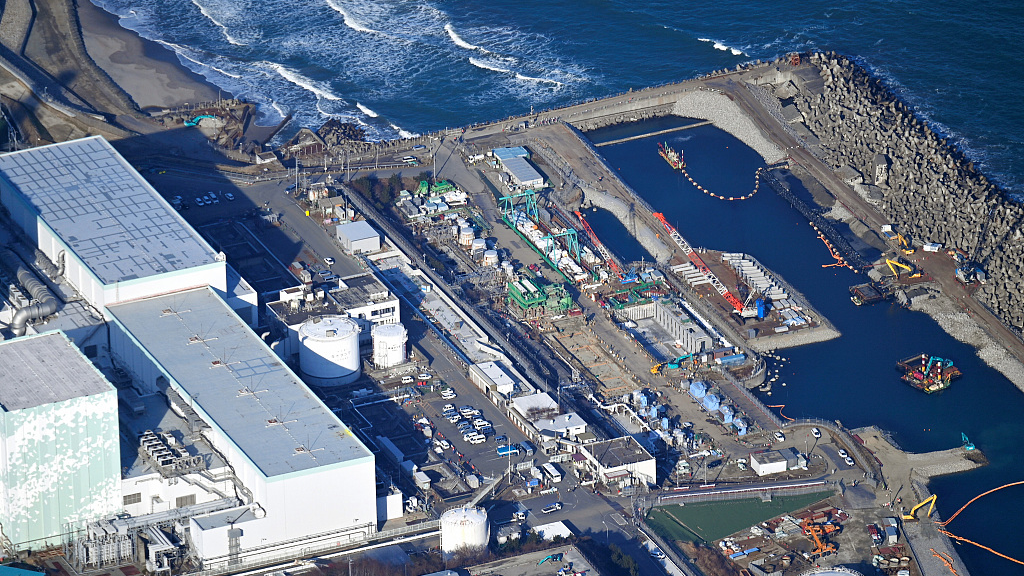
(816, 531)
(699, 263)
(912, 515)
(968, 272)
(605, 253)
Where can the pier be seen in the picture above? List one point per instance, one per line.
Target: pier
(657, 133)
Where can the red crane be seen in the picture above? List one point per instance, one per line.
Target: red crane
(699, 263)
(600, 247)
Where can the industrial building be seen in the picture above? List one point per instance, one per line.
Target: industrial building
(514, 162)
(220, 453)
(357, 237)
(363, 298)
(768, 462)
(58, 436)
(620, 461)
(108, 231)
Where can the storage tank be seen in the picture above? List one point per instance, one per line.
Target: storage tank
(478, 245)
(833, 571)
(711, 402)
(464, 528)
(507, 268)
(389, 345)
(466, 236)
(329, 350)
(698, 389)
(727, 412)
(490, 257)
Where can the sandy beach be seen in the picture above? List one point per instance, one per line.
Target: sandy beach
(150, 73)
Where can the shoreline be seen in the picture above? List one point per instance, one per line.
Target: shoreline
(149, 72)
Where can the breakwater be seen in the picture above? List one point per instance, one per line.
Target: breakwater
(933, 192)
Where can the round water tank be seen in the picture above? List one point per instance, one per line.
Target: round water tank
(507, 267)
(389, 345)
(490, 257)
(329, 350)
(466, 236)
(464, 528)
(478, 244)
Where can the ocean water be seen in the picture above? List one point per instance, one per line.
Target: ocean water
(410, 66)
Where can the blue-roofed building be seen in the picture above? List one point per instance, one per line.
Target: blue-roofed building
(503, 154)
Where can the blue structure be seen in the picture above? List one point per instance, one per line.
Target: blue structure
(711, 402)
(698, 389)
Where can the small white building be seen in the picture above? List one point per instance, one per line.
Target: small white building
(357, 237)
(620, 461)
(770, 462)
(561, 426)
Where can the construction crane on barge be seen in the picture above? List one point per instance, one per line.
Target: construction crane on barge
(699, 263)
(605, 253)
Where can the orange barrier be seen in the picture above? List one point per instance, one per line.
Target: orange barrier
(971, 501)
(780, 407)
(757, 184)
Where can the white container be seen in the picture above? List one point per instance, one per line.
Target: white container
(466, 236)
(932, 247)
(490, 257)
(389, 345)
(478, 244)
(329, 350)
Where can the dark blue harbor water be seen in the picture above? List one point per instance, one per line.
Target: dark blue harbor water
(852, 378)
(409, 66)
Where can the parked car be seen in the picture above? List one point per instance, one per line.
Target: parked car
(449, 394)
(424, 376)
(815, 432)
(779, 436)
(843, 453)
(200, 201)
(478, 439)
(501, 440)
(453, 418)
(329, 261)
(849, 461)
(213, 198)
(657, 554)
(408, 379)
(448, 408)
(551, 508)
(229, 196)
(714, 464)
(324, 273)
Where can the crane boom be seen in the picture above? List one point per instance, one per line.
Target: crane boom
(699, 263)
(607, 255)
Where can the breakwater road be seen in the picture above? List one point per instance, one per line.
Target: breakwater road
(649, 134)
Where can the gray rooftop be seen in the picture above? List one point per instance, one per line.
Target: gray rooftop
(521, 170)
(102, 208)
(45, 369)
(358, 291)
(618, 452)
(358, 230)
(237, 384)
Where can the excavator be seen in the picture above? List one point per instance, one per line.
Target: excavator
(912, 271)
(905, 244)
(671, 364)
(815, 532)
(912, 515)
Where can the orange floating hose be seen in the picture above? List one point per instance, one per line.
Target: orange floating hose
(971, 501)
(983, 547)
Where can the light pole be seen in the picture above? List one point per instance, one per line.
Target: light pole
(605, 532)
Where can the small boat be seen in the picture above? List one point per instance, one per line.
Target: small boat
(928, 374)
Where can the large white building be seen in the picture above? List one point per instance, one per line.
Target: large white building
(620, 462)
(59, 462)
(220, 442)
(114, 237)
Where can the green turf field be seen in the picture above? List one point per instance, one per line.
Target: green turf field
(710, 521)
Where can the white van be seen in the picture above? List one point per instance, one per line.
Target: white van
(408, 379)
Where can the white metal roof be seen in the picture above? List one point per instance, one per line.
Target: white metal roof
(45, 369)
(104, 210)
(237, 384)
(358, 230)
(521, 170)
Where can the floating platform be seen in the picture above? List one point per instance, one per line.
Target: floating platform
(928, 374)
(869, 293)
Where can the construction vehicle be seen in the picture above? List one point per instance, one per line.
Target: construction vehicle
(912, 515)
(968, 445)
(671, 364)
(969, 272)
(754, 306)
(696, 260)
(815, 532)
(905, 244)
(912, 271)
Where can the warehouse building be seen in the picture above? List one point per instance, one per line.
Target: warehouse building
(768, 462)
(357, 237)
(620, 462)
(58, 437)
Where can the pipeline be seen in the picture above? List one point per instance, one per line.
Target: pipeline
(45, 304)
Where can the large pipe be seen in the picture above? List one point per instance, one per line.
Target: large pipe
(45, 304)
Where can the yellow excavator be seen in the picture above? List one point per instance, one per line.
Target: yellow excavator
(912, 515)
(894, 265)
(905, 244)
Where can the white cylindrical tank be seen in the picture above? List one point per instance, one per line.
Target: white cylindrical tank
(833, 571)
(464, 528)
(329, 350)
(389, 345)
(490, 257)
(507, 267)
(466, 236)
(478, 245)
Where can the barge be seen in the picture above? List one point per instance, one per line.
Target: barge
(674, 159)
(928, 373)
